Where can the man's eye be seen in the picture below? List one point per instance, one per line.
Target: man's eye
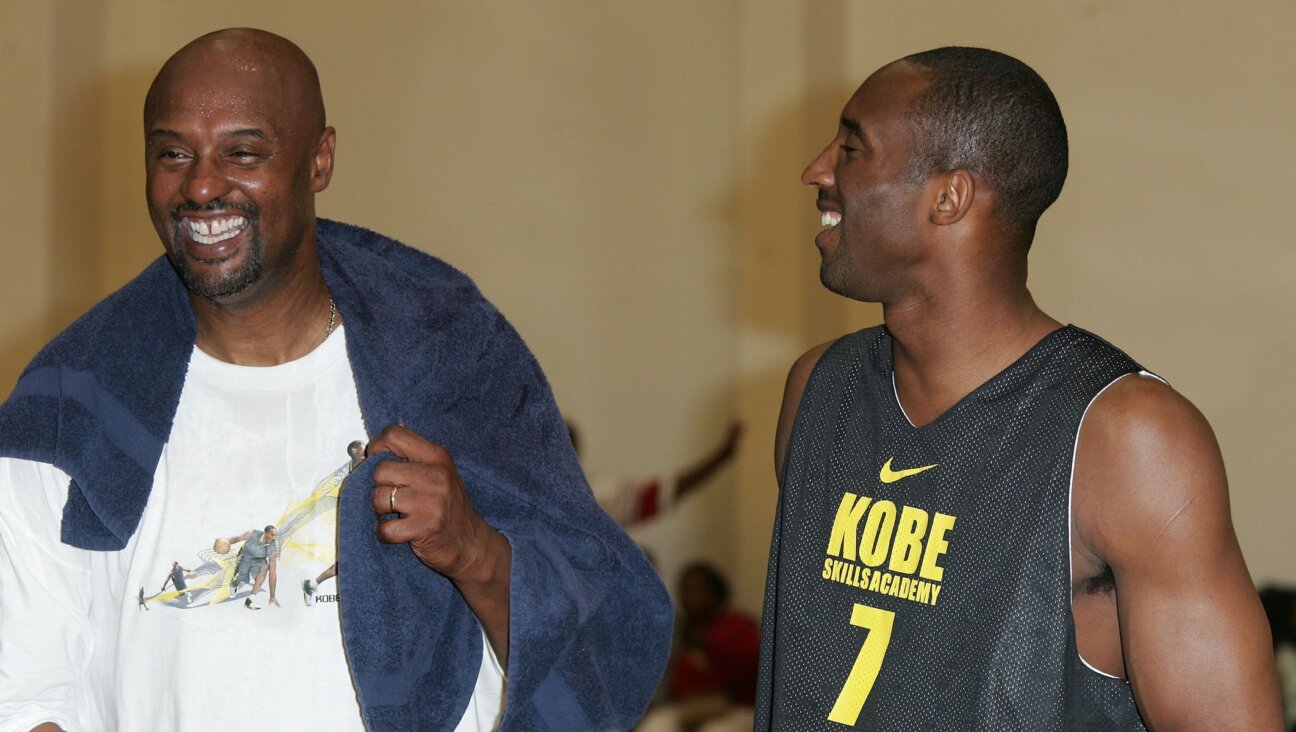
(173, 155)
(848, 149)
(243, 155)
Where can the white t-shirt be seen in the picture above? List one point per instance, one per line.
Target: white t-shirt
(111, 640)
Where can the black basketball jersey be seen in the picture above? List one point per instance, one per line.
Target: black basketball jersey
(919, 577)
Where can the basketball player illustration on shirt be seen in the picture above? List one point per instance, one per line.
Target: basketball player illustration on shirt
(238, 567)
(356, 451)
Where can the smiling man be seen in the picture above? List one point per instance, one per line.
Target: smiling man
(232, 383)
(987, 519)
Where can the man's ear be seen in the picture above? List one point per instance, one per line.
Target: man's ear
(955, 190)
(322, 162)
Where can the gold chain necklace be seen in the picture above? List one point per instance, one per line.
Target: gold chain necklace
(332, 319)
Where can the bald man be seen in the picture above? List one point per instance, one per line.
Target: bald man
(479, 586)
(988, 520)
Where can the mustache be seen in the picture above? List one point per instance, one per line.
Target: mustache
(823, 197)
(216, 204)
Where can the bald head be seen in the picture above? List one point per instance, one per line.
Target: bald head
(269, 64)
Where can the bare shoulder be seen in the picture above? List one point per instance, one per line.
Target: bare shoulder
(792, 392)
(1144, 403)
(1146, 460)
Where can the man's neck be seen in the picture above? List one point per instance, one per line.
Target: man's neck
(272, 330)
(943, 350)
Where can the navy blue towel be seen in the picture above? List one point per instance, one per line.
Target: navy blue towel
(590, 622)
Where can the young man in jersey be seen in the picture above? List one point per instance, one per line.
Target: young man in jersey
(988, 520)
(224, 381)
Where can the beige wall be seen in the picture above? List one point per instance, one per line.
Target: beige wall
(621, 178)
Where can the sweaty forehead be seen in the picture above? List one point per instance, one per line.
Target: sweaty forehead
(212, 89)
(224, 77)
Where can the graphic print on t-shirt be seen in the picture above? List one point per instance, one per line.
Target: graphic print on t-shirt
(235, 567)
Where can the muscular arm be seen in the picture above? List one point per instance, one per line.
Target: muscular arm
(1151, 502)
(796, 382)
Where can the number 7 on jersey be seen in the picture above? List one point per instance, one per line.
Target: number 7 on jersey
(868, 663)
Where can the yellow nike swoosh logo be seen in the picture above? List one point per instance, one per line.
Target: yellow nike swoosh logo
(887, 475)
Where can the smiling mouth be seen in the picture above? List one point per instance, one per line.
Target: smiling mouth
(215, 230)
(830, 218)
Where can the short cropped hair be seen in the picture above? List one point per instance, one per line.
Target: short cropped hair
(989, 113)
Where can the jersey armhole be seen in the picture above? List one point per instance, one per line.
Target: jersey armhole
(1070, 520)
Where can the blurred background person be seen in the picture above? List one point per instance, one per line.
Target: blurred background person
(1280, 607)
(710, 684)
(631, 501)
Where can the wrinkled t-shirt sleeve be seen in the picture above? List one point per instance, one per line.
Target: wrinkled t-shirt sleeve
(45, 634)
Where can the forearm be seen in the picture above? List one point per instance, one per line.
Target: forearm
(697, 474)
(486, 587)
(700, 472)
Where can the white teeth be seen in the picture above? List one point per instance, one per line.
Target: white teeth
(830, 218)
(211, 231)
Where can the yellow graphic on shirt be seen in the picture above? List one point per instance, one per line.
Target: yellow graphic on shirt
(210, 582)
(868, 664)
(880, 547)
(887, 475)
(897, 551)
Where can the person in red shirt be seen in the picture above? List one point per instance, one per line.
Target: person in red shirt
(712, 682)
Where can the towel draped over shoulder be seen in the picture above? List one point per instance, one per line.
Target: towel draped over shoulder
(590, 622)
